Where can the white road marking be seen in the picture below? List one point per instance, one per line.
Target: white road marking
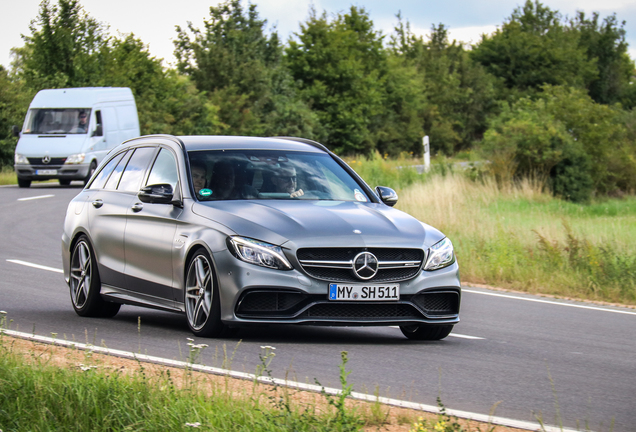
(519, 424)
(35, 197)
(550, 302)
(37, 266)
(461, 336)
(457, 335)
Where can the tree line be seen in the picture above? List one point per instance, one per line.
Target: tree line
(543, 95)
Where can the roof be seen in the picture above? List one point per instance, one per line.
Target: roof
(216, 142)
(82, 97)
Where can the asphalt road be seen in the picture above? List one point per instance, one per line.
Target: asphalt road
(529, 356)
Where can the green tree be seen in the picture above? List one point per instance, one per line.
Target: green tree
(14, 101)
(604, 43)
(65, 49)
(457, 93)
(241, 70)
(580, 146)
(341, 68)
(532, 48)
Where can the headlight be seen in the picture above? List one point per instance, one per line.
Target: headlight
(19, 159)
(75, 159)
(260, 253)
(440, 255)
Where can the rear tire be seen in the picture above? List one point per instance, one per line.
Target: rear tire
(24, 183)
(426, 332)
(85, 284)
(201, 297)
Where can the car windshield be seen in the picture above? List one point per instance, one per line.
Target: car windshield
(57, 121)
(269, 174)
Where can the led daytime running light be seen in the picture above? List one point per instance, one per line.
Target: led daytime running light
(244, 246)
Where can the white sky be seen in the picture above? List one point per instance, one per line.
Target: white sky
(154, 21)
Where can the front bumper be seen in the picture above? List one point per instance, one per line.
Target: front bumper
(255, 295)
(48, 172)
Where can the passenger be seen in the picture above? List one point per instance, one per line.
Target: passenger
(286, 181)
(199, 175)
(225, 186)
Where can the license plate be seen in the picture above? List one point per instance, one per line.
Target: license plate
(361, 292)
(45, 172)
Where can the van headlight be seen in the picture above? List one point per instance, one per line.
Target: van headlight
(75, 158)
(440, 255)
(20, 159)
(259, 253)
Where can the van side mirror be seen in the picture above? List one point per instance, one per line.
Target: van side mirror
(98, 131)
(15, 131)
(387, 195)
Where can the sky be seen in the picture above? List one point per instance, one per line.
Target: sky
(154, 21)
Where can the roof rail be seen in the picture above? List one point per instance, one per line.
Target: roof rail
(305, 141)
(164, 136)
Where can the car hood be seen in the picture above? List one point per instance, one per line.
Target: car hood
(296, 224)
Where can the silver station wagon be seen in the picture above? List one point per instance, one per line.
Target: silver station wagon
(238, 231)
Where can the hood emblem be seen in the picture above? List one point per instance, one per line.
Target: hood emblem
(46, 159)
(365, 265)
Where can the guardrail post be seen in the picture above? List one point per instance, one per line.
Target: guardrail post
(427, 154)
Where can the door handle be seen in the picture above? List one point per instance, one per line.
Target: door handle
(137, 207)
(98, 203)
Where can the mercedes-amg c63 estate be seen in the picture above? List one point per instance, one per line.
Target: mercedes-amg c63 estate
(237, 231)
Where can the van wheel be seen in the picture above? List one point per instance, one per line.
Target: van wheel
(91, 171)
(64, 182)
(24, 183)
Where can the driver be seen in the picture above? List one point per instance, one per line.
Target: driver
(286, 181)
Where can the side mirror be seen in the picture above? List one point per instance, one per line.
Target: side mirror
(15, 131)
(98, 131)
(156, 194)
(387, 195)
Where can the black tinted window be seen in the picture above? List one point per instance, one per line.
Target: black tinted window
(164, 170)
(101, 178)
(113, 180)
(134, 172)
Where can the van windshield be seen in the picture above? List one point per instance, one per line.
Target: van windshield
(57, 121)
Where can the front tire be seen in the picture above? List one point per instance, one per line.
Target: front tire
(426, 332)
(85, 284)
(64, 182)
(91, 171)
(202, 303)
(24, 183)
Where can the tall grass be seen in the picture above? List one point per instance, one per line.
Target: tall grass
(518, 236)
(40, 396)
(7, 176)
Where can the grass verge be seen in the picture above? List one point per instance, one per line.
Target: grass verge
(7, 176)
(518, 236)
(48, 387)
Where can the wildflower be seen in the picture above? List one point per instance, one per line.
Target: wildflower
(197, 346)
(86, 368)
(440, 426)
(194, 425)
(267, 347)
(3, 312)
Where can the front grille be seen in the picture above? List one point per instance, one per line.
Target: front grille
(361, 311)
(438, 303)
(336, 264)
(54, 161)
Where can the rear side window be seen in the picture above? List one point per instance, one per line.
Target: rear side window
(103, 175)
(113, 180)
(134, 172)
(164, 170)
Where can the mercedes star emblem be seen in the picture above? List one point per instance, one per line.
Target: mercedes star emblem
(365, 265)
(46, 159)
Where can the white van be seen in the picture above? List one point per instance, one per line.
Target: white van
(67, 132)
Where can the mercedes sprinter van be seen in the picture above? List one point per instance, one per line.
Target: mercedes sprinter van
(67, 132)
